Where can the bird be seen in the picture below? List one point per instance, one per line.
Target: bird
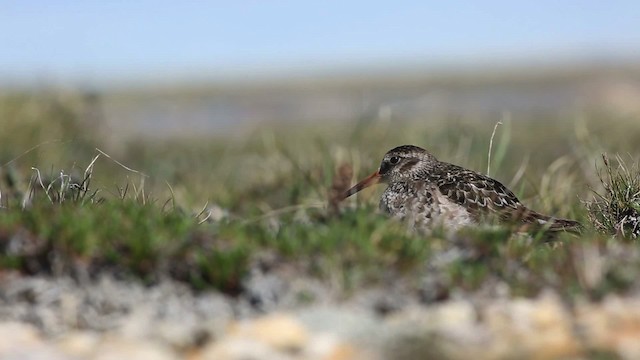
(429, 193)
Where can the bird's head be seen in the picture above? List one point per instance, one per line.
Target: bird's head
(399, 164)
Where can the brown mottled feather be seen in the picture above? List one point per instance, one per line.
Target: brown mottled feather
(483, 196)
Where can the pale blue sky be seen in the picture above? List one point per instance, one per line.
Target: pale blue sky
(125, 40)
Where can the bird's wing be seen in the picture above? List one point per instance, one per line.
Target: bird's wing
(480, 194)
(484, 196)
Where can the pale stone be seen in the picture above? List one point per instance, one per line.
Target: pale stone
(278, 330)
(540, 328)
(240, 349)
(18, 335)
(614, 324)
(329, 347)
(524, 326)
(80, 344)
(20, 341)
(277, 336)
(119, 348)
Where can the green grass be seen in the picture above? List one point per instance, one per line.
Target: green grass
(144, 209)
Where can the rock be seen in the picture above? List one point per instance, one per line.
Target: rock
(240, 349)
(23, 342)
(279, 331)
(263, 290)
(79, 344)
(350, 323)
(13, 334)
(330, 347)
(613, 325)
(536, 327)
(61, 318)
(94, 346)
(446, 331)
(277, 337)
(522, 328)
(112, 348)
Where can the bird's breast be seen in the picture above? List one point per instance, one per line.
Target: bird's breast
(394, 200)
(406, 200)
(423, 206)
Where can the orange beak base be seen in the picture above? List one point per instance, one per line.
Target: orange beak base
(368, 181)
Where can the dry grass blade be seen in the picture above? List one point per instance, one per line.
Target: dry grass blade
(520, 173)
(617, 209)
(493, 134)
(31, 149)
(205, 212)
(171, 199)
(41, 183)
(121, 164)
(138, 191)
(83, 187)
(88, 173)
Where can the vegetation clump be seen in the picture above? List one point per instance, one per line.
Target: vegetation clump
(616, 210)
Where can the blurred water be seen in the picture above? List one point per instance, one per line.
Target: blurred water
(225, 110)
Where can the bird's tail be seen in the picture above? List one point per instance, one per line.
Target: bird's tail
(550, 223)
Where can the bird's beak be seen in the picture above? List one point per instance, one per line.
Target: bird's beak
(368, 181)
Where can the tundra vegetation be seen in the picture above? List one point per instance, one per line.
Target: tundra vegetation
(76, 200)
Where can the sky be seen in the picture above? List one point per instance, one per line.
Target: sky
(100, 41)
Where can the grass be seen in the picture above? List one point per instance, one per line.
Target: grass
(201, 211)
(617, 209)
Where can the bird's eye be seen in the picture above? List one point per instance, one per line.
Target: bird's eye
(394, 160)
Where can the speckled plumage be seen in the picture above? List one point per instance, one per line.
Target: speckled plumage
(427, 193)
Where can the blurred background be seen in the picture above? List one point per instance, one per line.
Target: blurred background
(157, 68)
